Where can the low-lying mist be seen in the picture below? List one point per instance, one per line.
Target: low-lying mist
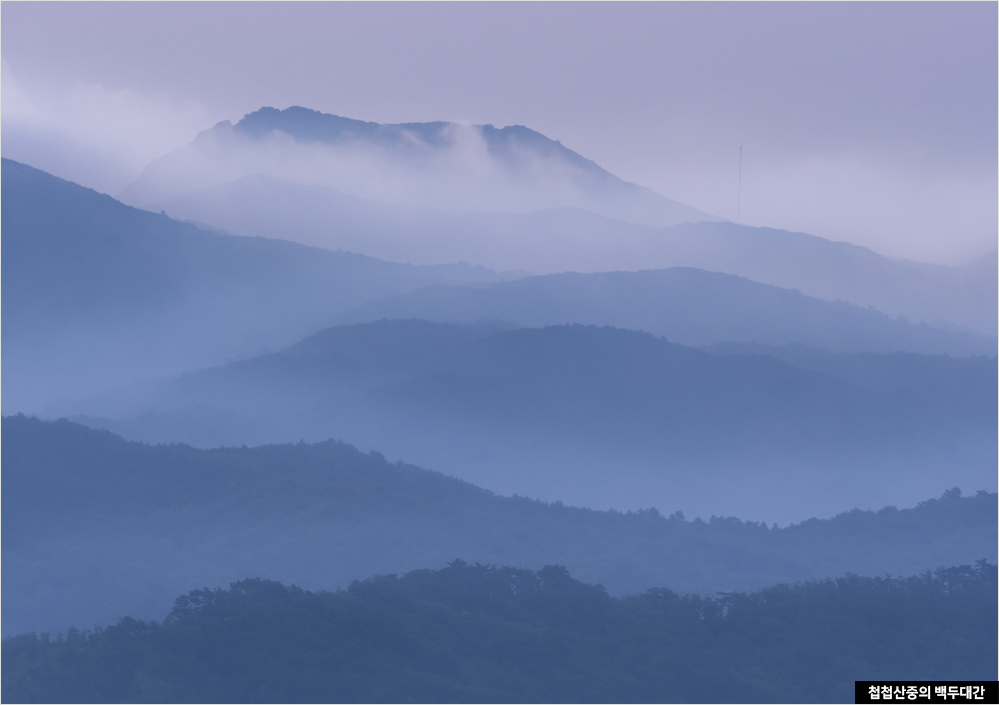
(448, 167)
(512, 200)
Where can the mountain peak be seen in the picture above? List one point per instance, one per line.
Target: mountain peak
(448, 167)
(303, 124)
(311, 126)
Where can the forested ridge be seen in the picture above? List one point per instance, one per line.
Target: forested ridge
(95, 527)
(474, 633)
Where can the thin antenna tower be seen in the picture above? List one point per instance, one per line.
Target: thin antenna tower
(738, 208)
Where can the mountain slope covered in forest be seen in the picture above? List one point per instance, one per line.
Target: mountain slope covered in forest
(96, 527)
(483, 634)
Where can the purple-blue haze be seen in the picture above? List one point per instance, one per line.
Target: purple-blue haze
(872, 123)
(313, 292)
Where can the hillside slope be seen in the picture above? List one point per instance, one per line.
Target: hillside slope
(95, 527)
(98, 294)
(603, 417)
(552, 241)
(687, 306)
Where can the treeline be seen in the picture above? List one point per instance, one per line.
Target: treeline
(474, 633)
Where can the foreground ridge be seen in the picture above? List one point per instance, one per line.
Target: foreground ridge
(475, 633)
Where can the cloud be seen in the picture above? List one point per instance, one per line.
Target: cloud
(15, 101)
(458, 173)
(96, 136)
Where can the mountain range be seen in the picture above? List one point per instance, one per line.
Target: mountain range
(604, 417)
(512, 199)
(98, 295)
(96, 527)
(104, 306)
(685, 305)
(365, 349)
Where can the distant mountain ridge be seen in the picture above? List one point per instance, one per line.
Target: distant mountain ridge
(560, 240)
(512, 199)
(99, 294)
(312, 126)
(456, 168)
(602, 417)
(687, 306)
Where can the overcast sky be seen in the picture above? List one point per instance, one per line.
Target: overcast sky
(874, 123)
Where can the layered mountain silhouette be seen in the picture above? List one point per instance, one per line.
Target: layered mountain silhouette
(512, 199)
(571, 239)
(604, 417)
(95, 527)
(297, 307)
(688, 306)
(99, 294)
